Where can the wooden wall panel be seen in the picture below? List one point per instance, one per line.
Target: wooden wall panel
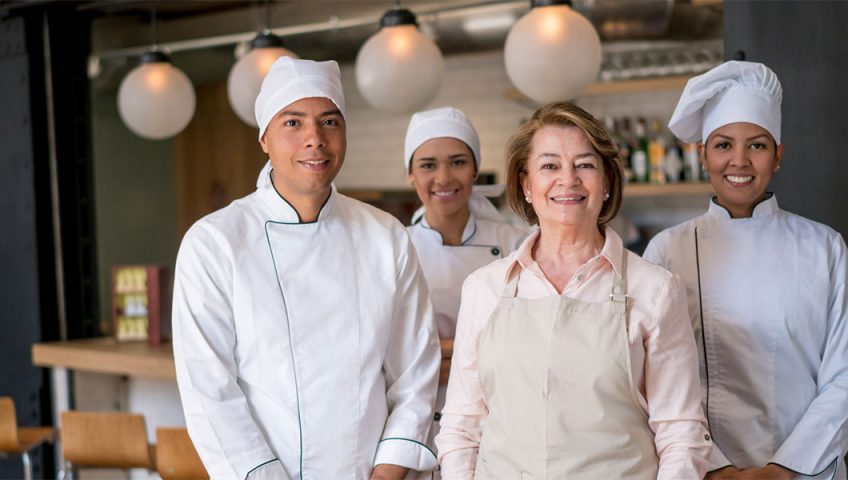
(217, 157)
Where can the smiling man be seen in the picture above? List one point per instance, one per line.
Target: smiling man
(303, 334)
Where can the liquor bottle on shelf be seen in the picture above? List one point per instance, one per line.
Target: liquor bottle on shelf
(673, 164)
(639, 157)
(692, 165)
(622, 128)
(656, 153)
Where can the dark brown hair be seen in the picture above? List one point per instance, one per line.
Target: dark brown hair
(563, 114)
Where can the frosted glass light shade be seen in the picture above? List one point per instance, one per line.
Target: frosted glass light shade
(156, 100)
(552, 53)
(399, 69)
(245, 80)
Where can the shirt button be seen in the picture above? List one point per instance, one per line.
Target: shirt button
(707, 438)
(496, 251)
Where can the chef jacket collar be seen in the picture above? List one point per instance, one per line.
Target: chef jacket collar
(467, 233)
(281, 210)
(766, 207)
(611, 253)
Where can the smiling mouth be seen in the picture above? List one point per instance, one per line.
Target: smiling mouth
(740, 180)
(445, 194)
(568, 199)
(316, 164)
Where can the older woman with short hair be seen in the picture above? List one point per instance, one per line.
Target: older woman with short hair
(574, 357)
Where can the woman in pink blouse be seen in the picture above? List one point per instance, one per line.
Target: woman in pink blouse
(574, 358)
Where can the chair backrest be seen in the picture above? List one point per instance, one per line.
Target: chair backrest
(176, 458)
(8, 426)
(114, 439)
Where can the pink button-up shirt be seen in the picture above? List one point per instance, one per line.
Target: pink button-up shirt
(662, 352)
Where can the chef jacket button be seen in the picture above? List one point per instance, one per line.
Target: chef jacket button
(496, 251)
(437, 416)
(707, 437)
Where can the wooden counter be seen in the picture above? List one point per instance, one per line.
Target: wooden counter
(133, 359)
(107, 355)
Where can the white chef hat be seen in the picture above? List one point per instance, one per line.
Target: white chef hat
(439, 123)
(731, 92)
(292, 79)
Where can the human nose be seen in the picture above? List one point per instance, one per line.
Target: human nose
(568, 176)
(740, 158)
(443, 176)
(315, 136)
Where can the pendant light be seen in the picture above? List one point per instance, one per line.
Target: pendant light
(245, 78)
(399, 69)
(552, 53)
(156, 100)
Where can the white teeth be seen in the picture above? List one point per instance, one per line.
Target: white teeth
(567, 199)
(443, 194)
(315, 162)
(739, 178)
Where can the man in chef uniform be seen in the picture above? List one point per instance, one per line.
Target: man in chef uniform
(767, 291)
(304, 340)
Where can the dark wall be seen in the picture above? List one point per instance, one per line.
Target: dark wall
(804, 42)
(45, 108)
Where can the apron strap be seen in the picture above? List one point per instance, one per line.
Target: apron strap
(619, 284)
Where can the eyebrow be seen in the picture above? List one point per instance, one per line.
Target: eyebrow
(433, 158)
(578, 156)
(747, 139)
(295, 113)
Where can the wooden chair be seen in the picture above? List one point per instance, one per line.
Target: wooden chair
(105, 440)
(176, 458)
(20, 440)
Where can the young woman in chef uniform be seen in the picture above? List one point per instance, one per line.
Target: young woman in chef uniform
(766, 288)
(457, 230)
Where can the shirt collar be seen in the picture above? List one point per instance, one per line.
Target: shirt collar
(767, 206)
(467, 233)
(281, 210)
(611, 252)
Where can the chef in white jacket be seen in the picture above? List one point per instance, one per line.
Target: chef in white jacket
(303, 334)
(457, 230)
(767, 291)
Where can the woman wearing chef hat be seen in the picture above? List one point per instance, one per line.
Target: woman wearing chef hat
(767, 290)
(457, 230)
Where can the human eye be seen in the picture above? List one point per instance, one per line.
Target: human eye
(548, 166)
(585, 164)
(759, 146)
(723, 145)
(459, 162)
(332, 122)
(426, 165)
(291, 122)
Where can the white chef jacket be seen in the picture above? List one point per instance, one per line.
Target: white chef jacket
(769, 306)
(446, 266)
(303, 350)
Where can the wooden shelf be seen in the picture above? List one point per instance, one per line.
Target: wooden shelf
(644, 190)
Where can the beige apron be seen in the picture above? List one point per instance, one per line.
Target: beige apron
(555, 373)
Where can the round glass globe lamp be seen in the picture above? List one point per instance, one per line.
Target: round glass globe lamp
(156, 100)
(552, 53)
(399, 69)
(246, 75)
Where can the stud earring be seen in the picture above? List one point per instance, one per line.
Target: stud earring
(527, 198)
(777, 168)
(606, 196)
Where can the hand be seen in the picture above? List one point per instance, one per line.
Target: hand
(725, 473)
(386, 471)
(769, 472)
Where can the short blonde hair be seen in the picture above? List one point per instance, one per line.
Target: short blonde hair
(563, 114)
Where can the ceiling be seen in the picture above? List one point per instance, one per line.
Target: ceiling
(203, 35)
